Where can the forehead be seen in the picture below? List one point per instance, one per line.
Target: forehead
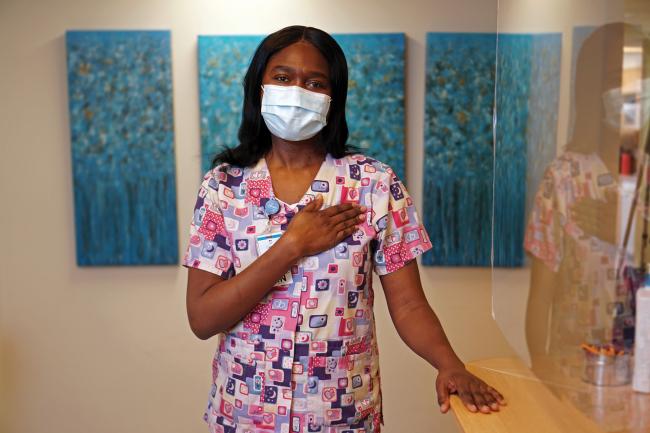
(300, 55)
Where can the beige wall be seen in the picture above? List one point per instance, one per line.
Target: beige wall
(109, 349)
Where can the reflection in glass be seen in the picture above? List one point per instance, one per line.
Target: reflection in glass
(584, 231)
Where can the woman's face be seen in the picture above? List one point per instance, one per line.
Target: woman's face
(299, 64)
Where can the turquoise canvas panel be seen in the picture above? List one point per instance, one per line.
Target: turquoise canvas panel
(458, 149)
(528, 79)
(375, 104)
(122, 145)
(468, 182)
(223, 61)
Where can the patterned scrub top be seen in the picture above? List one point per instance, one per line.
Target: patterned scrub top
(305, 358)
(585, 265)
(587, 291)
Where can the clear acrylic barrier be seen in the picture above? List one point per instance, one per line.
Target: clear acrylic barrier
(571, 151)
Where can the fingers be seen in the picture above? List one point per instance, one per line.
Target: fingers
(497, 395)
(353, 221)
(443, 396)
(355, 215)
(589, 212)
(490, 400)
(467, 398)
(462, 386)
(345, 232)
(493, 397)
(344, 218)
(596, 217)
(601, 225)
(487, 398)
(593, 208)
(478, 397)
(333, 210)
(315, 204)
(475, 394)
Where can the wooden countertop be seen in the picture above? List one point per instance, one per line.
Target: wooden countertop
(533, 408)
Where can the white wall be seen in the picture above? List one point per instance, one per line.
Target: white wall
(109, 349)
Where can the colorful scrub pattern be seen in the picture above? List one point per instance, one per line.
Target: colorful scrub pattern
(586, 293)
(305, 358)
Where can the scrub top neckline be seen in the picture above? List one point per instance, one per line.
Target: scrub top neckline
(309, 190)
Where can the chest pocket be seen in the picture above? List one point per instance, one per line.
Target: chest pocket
(244, 248)
(342, 390)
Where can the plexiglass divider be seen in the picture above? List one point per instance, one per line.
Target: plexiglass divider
(570, 220)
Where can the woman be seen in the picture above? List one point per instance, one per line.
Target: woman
(287, 227)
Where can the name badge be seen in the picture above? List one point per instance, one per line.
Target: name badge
(266, 241)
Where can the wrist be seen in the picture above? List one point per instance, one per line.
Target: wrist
(452, 367)
(451, 363)
(291, 246)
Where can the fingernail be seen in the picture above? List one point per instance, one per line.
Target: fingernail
(363, 208)
(362, 216)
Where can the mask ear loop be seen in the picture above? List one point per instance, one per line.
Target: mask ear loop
(263, 92)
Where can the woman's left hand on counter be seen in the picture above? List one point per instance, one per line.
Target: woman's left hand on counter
(474, 393)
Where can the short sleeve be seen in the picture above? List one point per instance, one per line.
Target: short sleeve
(209, 244)
(400, 235)
(544, 231)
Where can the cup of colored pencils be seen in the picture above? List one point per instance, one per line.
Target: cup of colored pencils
(604, 365)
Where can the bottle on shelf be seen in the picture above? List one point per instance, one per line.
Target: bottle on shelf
(641, 373)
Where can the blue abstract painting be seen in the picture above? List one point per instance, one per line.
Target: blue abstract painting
(223, 61)
(375, 104)
(458, 149)
(464, 173)
(375, 92)
(528, 80)
(122, 142)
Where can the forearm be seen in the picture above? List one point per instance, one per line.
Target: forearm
(536, 327)
(225, 303)
(420, 329)
(540, 298)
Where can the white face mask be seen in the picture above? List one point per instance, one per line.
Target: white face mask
(631, 109)
(293, 113)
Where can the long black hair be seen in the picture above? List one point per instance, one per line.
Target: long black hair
(254, 136)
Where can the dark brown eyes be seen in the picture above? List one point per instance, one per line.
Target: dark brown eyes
(285, 79)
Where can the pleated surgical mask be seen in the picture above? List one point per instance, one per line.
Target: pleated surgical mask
(293, 113)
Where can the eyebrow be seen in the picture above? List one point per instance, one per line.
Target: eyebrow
(310, 73)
